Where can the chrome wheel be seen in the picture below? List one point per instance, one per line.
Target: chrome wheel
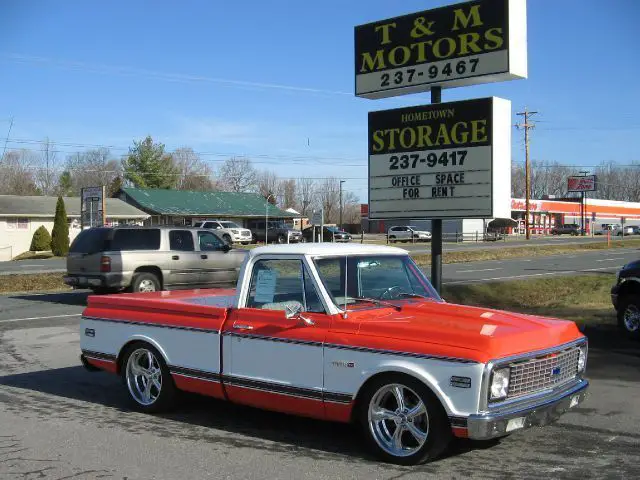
(147, 285)
(632, 318)
(398, 420)
(144, 376)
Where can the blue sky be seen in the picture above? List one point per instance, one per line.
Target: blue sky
(274, 79)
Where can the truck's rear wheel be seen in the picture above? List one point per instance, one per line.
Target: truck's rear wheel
(403, 421)
(145, 282)
(147, 378)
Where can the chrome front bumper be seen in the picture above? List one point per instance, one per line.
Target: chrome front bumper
(503, 422)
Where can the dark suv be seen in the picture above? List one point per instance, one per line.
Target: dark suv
(625, 296)
(566, 229)
(278, 232)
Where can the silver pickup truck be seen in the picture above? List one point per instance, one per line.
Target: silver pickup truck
(147, 259)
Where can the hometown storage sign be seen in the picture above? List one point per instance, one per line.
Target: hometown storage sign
(463, 44)
(445, 160)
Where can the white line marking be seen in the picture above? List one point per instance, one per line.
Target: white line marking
(479, 270)
(562, 272)
(608, 260)
(39, 318)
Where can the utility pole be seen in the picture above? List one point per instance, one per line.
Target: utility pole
(527, 114)
(341, 182)
(6, 140)
(583, 208)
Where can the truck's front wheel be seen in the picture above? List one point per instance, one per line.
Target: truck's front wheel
(147, 378)
(403, 421)
(629, 316)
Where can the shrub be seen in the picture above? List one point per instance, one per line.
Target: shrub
(60, 233)
(41, 240)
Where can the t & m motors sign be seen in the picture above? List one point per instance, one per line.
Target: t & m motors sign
(445, 160)
(462, 44)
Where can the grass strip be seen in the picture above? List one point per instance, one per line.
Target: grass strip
(584, 299)
(520, 252)
(32, 283)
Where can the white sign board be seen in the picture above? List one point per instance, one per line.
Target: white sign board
(317, 217)
(456, 45)
(92, 206)
(446, 160)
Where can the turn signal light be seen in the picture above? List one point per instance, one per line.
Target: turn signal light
(105, 264)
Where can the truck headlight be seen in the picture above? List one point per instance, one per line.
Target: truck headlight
(235, 232)
(582, 358)
(499, 384)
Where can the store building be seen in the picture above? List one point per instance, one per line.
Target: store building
(182, 207)
(543, 216)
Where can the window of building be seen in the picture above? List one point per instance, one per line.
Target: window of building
(17, 224)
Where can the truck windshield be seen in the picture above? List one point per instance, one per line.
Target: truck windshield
(229, 225)
(376, 277)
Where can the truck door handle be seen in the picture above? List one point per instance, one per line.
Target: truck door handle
(175, 257)
(204, 257)
(241, 326)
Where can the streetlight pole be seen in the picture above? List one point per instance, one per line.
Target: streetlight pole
(266, 220)
(341, 182)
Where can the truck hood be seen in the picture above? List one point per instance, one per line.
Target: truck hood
(469, 332)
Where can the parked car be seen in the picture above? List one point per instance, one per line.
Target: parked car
(346, 333)
(329, 234)
(625, 297)
(605, 228)
(630, 230)
(407, 234)
(278, 232)
(229, 231)
(147, 259)
(566, 229)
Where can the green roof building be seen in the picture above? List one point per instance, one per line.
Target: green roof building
(186, 207)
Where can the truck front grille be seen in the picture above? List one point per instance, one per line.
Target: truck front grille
(542, 373)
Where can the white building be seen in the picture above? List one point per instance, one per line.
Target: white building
(21, 216)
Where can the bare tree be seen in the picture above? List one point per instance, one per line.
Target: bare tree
(289, 193)
(238, 175)
(351, 213)
(329, 196)
(306, 195)
(518, 185)
(90, 169)
(46, 175)
(269, 186)
(17, 173)
(194, 173)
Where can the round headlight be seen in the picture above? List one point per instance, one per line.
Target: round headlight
(499, 384)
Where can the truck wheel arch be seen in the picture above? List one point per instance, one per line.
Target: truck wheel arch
(390, 370)
(134, 340)
(630, 286)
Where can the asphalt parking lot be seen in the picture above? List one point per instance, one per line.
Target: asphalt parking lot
(58, 421)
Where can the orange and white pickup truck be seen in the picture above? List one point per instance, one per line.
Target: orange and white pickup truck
(346, 333)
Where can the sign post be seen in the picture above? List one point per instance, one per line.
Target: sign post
(317, 218)
(448, 160)
(92, 207)
(582, 184)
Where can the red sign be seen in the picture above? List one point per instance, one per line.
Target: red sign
(520, 205)
(581, 184)
(364, 209)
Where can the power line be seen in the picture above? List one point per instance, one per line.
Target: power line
(171, 77)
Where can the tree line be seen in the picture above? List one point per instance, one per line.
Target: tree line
(615, 182)
(149, 165)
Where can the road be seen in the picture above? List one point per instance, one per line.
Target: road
(58, 421)
(59, 265)
(543, 266)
